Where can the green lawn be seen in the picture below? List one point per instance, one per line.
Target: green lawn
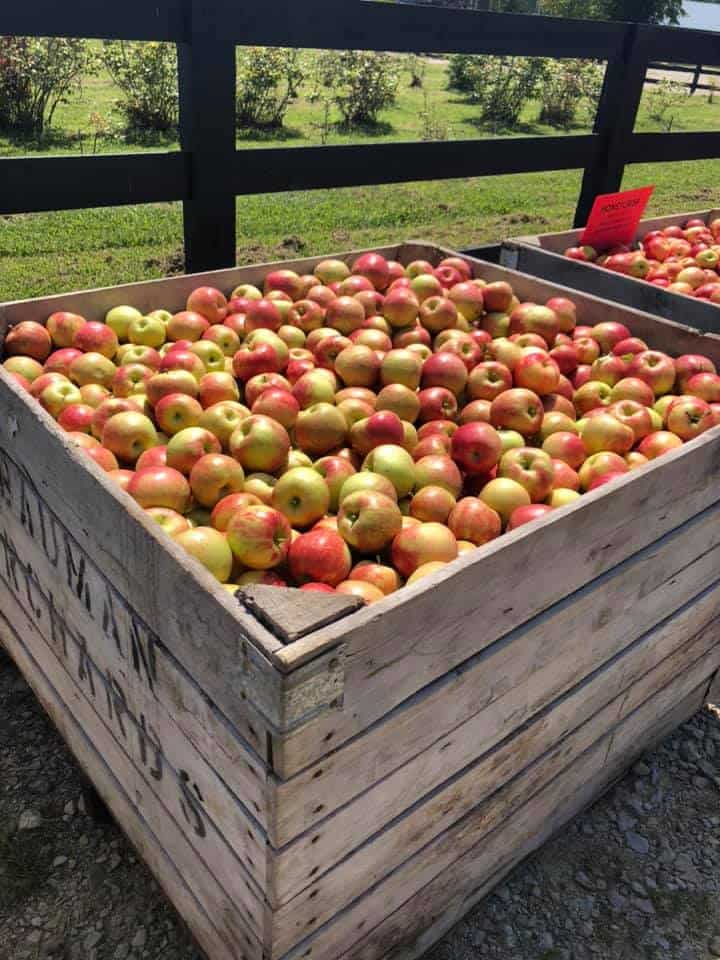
(47, 253)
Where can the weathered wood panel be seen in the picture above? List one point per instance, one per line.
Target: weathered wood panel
(424, 918)
(477, 854)
(480, 756)
(159, 837)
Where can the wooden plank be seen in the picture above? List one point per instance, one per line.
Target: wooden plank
(624, 82)
(311, 168)
(425, 917)
(492, 591)
(647, 147)
(132, 689)
(219, 645)
(714, 691)
(131, 20)
(138, 813)
(206, 84)
(29, 184)
(323, 24)
(573, 722)
(290, 614)
(493, 693)
(470, 842)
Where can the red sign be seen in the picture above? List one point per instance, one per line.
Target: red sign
(615, 218)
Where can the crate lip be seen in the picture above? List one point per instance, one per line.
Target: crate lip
(288, 658)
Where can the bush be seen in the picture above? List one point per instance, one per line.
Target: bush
(147, 76)
(35, 76)
(360, 83)
(461, 71)
(567, 86)
(268, 80)
(503, 85)
(662, 100)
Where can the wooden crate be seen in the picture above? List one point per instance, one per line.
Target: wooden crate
(543, 256)
(310, 780)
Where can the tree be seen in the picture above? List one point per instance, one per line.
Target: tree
(641, 11)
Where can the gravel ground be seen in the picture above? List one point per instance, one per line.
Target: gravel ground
(637, 877)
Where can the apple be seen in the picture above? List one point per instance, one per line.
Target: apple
(30, 339)
(599, 464)
(400, 400)
(654, 368)
(104, 458)
(437, 403)
(473, 520)
(608, 369)
(320, 556)
(591, 395)
(379, 575)
(566, 446)
(210, 548)
(59, 361)
(170, 520)
(183, 360)
(226, 339)
(448, 276)
(160, 487)
(57, 396)
(394, 463)
(331, 271)
(137, 353)
(222, 419)
(302, 495)
(228, 506)
(634, 415)
(537, 372)
(488, 380)
(212, 357)
(209, 303)
(379, 428)
(176, 412)
(76, 417)
(438, 470)
(605, 432)
(517, 409)
(62, 327)
(216, 387)
(357, 366)
(368, 521)
(92, 368)
(504, 495)
(187, 325)
(128, 434)
(629, 347)
(633, 388)
(93, 337)
(526, 514)
(215, 476)
(361, 589)
(173, 381)
(608, 333)
(432, 503)
(320, 428)
(367, 480)
(130, 379)
(704, 385)
(688, 417)
(468, 299)
(154, 457)
(401, 366)
(420, 544)
(497, 296)
(259, 536)
(556, 421)
(146, 331)
(564, 477)
(30, 369)
(438, 313)
(534, 318)
(529, 467)
(561, 497)
(260, 444)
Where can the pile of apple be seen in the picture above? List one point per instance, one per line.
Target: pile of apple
(682, 259)
(352, 430)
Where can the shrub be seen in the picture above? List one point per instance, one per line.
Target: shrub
(461, 71)
(268, 79)
(662, 99)
(147, 76)
(503, 85)
(567, 86)
(416, 68)
(35, 76)
(360, 83)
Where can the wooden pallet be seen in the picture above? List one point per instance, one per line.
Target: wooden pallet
(307, 779)
(543, 256)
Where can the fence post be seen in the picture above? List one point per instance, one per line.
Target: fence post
(206, 77)
(615, 119)
(696, 78)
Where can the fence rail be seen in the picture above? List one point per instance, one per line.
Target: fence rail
(209, 172)
(697, 70)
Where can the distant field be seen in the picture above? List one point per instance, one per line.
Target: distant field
(47, 253)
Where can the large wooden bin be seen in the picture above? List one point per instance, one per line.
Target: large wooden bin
(543, 256)
(310, 780)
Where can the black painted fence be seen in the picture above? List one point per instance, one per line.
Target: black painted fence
(209, 172)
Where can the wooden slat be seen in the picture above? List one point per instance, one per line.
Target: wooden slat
(493, 693)
(130, 20)
(648, 147)
(357, 25)
(683, 46)
(423, 919)
(655, 659)
(523, 806)
(310, 168)
(158, 837)
(29, 184)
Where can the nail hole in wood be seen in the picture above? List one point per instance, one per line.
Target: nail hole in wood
(318, 773)
(315, 839)
(319, 808)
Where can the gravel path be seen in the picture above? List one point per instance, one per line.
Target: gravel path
(637, 877)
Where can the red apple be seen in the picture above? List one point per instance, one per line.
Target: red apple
(319, 556)
(522, 515)
(259, 537)
(422, 543)
(215, 476)
(176, 412)
(368, 521)
(567, 447)
(209, 303)
(30, 339)
(688, 417)
(529, 467)
(160, 487)
(128, 434)
(517, 409)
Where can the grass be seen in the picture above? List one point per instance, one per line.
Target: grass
(53, 252)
